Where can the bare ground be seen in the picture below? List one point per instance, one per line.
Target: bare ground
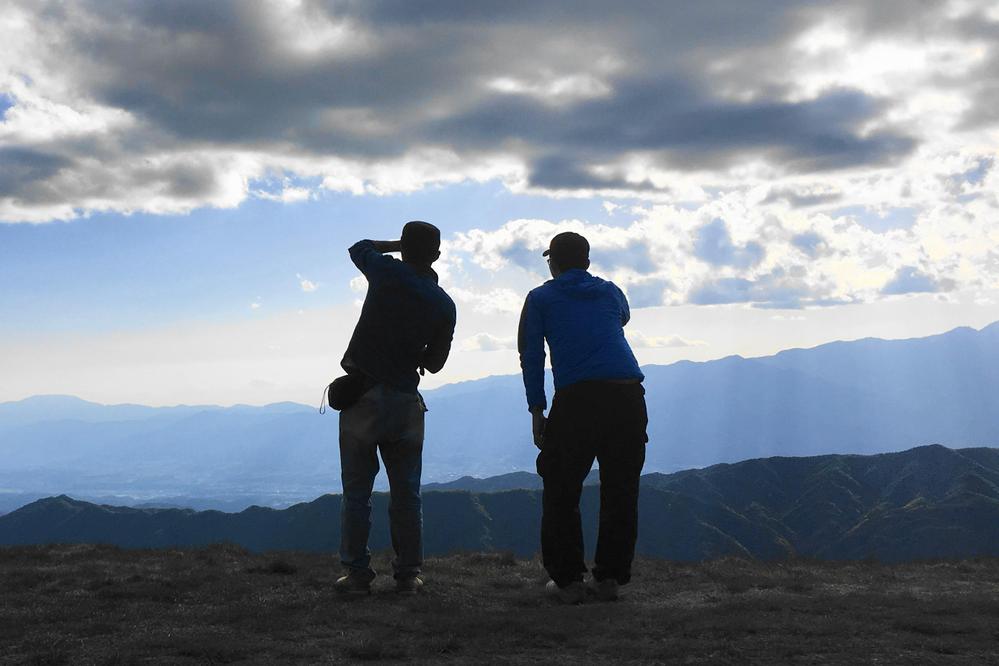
(100, 604)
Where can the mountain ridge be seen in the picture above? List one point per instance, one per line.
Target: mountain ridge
(865, 396)
(927, 502)
(992, 328)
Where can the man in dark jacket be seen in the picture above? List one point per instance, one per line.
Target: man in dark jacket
(598, 411)
(406, 326)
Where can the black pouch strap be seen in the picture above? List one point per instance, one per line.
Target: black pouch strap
(325, 398)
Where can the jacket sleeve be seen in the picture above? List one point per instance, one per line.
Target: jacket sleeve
(372, 263)
(625, 309)
(436, 353)
(531, 345)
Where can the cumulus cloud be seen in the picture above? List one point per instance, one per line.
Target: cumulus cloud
(168, 107)
(810, 242)
(713, 244)
(879, 220)
(648, 293)
(730, 250)
(911, 280)
(306, 285)
(770, 154)
(780, 288)
(499, 300)
(488, 342)
(802, 198)
(358, 284)
(288, 194)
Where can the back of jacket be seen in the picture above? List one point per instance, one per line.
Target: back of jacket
(582, 317)
(407, 321)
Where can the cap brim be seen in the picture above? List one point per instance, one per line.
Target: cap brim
(545, 253)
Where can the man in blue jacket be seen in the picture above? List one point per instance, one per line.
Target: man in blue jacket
(406, 326)
(598, 411)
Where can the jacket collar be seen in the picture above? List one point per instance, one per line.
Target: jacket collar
(573, 275)
(424, 271)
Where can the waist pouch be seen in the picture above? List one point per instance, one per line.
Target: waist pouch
(345, 391)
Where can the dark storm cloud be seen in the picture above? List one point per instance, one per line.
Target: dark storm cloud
(404, 76)
(982, 81)
(801, 198)
(23, 171)
(38, 178)
(559, 172)
(684, 127)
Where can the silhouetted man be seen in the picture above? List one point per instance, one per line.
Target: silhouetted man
(598, 411)
(406, 325)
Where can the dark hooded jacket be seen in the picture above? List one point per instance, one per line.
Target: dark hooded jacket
(406, 323)
(582, 317)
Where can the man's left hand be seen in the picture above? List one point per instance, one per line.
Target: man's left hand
(538, 427)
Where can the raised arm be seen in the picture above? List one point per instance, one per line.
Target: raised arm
(369, 256)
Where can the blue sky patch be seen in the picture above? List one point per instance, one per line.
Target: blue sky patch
(6, 102)
(882, 221)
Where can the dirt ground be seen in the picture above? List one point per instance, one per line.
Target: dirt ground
(84, 604)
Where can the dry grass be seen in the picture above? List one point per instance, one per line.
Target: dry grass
(98, 604)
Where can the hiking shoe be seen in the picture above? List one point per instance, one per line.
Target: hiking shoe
(573, 593)
(606, 589)
(353, 584)
(408, 585)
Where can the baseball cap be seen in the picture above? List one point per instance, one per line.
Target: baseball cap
(420, 239)
(569, 250)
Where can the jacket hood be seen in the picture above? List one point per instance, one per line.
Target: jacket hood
(580, 284)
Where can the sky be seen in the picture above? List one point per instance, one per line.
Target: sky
(179, 182)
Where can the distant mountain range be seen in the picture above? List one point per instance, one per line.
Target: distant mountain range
(927, 502)
(866, 396)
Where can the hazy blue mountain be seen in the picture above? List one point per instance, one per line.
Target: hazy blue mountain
(927, 502)
(511, 481)
(492, 484)
(279, 453)
(866, 396)
(46, 408)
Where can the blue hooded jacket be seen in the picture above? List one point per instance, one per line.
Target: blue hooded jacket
(582, 317)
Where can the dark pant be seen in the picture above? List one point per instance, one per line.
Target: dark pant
(391, 422)
(588, 420)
